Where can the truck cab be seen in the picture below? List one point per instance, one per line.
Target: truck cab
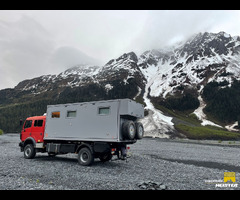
(33, 131)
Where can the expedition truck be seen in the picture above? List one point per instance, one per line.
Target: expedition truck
(98, 129)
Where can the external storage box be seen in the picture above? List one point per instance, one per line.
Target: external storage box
(95, 121)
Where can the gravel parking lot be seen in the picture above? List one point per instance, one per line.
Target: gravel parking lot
(174, 165)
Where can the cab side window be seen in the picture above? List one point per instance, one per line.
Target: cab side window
(38, 123)
(28, 124)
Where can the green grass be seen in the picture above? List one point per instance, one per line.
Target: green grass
(189, 125)
(206, 133)
(187, 116)
(1, 131)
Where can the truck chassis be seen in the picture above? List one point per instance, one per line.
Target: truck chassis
(86, 150)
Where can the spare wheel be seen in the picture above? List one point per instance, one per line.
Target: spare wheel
(129, 130)
(139, 130)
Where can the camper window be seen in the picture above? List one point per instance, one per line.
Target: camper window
(55, 114)
(71, 113)
(104, 111)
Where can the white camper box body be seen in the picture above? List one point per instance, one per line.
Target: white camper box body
(91, 121)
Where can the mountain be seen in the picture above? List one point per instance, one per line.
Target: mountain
(196, 76)
(112, 78)
(201, 59)
(186, 84)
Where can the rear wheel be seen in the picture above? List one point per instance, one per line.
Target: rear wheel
(85, 156)
(129, 130)
(29, 151)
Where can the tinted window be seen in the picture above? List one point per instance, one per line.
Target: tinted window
(55, 114)
(38, 123)
(28, 124)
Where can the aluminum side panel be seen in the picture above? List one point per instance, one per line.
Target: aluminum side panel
(132, 108)
(87, 125)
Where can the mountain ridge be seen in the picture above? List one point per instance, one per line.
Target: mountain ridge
(174, 77)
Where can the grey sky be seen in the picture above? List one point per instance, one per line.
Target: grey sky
(34, 43)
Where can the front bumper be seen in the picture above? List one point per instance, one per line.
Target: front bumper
(21, 145)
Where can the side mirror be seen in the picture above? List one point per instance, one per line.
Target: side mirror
(21, 122)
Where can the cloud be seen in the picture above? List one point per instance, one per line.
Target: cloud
(24, 50)
(38, 42)
(28, 50)
(166, 27)
(68, 56)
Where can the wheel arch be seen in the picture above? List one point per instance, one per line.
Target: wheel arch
(84, 144)
(29, 140)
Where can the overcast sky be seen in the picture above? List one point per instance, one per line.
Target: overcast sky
(35, 43)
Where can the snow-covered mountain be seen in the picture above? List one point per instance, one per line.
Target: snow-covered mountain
(162, 73)
(201, 59)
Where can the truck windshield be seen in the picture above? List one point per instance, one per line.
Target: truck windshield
(28, 124)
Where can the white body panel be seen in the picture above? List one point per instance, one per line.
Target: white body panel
(92, 121)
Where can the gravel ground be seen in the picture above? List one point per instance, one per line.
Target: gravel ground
(173, 164)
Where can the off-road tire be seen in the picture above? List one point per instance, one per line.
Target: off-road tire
(85, 156)
(29, 151)
(139, 130)
(129, 130)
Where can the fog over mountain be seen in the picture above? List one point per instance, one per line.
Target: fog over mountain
(41, 42)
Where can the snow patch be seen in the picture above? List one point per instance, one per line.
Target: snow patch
(226, 35)
(139, 92)
(231, 126)
(201, 115)
(156, 124)
(108, 87)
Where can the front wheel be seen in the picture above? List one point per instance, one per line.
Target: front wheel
(29, 151)
(85, 157)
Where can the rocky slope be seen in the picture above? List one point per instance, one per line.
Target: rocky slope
(199, 60)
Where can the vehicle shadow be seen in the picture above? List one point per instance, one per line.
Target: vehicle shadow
(57, 158)
(72, 160)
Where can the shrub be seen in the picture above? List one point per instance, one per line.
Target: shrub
(185, 102)
(223, 103)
